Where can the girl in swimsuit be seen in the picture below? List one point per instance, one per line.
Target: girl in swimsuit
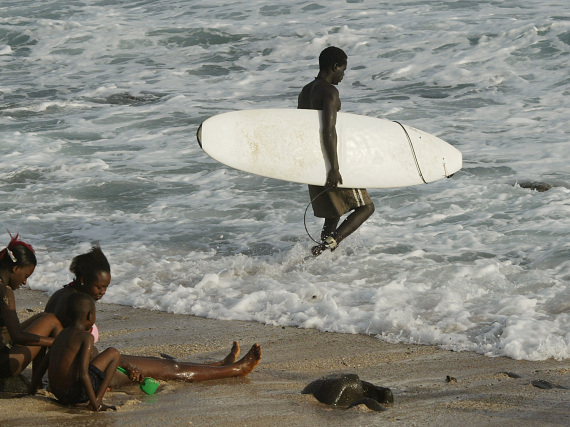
(20, 343)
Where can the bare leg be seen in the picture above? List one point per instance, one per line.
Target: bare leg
(349, 226)
(105, 358)
(329, 227)
(166, 369)
(26, 323)
(170, 364)
(107, 362)
(230, 358)
(44, 324)
(353, 221)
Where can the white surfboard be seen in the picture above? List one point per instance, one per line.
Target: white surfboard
(286, 144)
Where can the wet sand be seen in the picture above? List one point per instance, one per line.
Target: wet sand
(479, 391)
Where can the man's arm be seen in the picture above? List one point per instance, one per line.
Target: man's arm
(331, 101)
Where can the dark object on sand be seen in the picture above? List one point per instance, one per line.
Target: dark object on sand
(450, 379)
(347, 390)
(539, 186)
(14, 385)
(510, 374)
(545, 385)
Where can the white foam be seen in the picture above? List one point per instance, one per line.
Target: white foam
(99, 120)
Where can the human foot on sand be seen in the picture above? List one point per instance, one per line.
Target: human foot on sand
(248, 362)
(234, 353)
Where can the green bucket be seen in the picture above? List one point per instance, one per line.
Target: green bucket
(148, 386)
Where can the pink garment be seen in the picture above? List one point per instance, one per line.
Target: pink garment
(95, 332)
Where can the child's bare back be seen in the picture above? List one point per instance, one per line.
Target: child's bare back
(73, 376)
(65, 355)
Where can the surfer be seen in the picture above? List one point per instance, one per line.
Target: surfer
(92, 277)
(20, 343)
(329, 201)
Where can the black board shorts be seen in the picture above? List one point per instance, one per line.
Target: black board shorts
(77, 393)
(5, 362)
(337, 201)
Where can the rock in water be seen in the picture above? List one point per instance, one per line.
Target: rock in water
(539, 186)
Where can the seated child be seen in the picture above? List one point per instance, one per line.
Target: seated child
(75, 377)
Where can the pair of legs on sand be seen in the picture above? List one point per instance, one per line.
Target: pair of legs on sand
(169, 369)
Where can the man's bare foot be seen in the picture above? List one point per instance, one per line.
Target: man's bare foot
(234, 353)
(249, 361)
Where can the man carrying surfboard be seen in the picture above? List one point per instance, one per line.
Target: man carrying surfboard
(329, 201)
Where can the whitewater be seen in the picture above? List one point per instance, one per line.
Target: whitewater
(101, 101)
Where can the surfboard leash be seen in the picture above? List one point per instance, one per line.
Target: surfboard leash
(307, 208)
(413, 152)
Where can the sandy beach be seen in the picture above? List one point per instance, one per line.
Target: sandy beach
(479, 391)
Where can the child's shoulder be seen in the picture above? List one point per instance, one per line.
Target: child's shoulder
(71, 333)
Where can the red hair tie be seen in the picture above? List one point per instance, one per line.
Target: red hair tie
(14, 242)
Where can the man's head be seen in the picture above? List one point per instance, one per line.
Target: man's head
(330, 56)
(81, 308)
(333, 61)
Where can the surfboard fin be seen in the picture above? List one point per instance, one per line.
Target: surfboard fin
(445, 174)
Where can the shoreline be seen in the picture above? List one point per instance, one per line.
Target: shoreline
(482, 390)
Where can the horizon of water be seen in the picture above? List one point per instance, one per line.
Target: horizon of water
(100, 103)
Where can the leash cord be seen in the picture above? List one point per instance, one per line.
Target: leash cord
(413, 152)
(307, 208)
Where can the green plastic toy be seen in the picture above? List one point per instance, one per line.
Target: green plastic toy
(148, 386)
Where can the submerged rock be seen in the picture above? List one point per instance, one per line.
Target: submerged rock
(347, 390)
(129, 99)
(539, 186)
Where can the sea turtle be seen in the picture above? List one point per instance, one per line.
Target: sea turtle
(347, 390)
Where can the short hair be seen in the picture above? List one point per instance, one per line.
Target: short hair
(88, 266)
(17, 253)
(330, 56)
(78, 304)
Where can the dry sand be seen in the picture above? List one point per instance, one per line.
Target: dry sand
(480, 393)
